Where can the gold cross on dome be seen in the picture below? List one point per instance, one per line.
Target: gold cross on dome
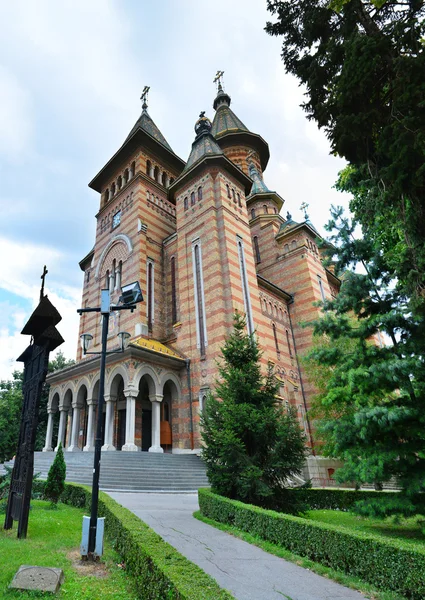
(217, 78)
(144, 96)
(304, 207)
(43, 277)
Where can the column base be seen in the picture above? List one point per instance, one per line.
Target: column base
(73, 449)
(47, 449)
(156, 449)
(130, 448)
(108, 447)
(88, 449)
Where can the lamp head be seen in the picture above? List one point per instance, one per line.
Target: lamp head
(131, 293)
(124, 338)
(85, 340)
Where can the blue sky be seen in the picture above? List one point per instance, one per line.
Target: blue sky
(71, 75)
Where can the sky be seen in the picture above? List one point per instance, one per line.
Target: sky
(71, 76)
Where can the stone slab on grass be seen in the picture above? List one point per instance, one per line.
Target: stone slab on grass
(42, 579)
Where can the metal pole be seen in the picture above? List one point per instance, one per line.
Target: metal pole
(98, 439)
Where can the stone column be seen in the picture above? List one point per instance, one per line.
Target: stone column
(156, 400)
(91, 425)
(73, 447)
(111, 283)
(118, 279)
(130, 421)
(63, 415)
(151, 172)
(49, 432)
(109, 423)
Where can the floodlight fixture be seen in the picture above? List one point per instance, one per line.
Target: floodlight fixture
(131, 293)
(124, 338)
(86, 340)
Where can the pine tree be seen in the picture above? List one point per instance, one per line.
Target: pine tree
(252, 446)
(372, 403)
(55, 484)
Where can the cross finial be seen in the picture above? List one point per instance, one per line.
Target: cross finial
(43, 277)
(144, 97)
(217, 79)
(304, 207)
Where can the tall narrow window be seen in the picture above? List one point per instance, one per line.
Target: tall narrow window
(234, 195)
(156, 174)
(239, 200)
(148, 167)
(199, 193)
(113, 189)
(266, 210)
(322, 289)
(133, 169)
(173, 290)
(257, 250)
(228, 191)
(186, 203)
(275, 339)
(150, 293)
(192, 198)
(289, 343)
(201, 331)
(106, 196)
(245, 288)
(252, 213)
(106, 286)
(164, 179)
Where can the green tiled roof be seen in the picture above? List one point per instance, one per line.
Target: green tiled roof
(203, 145)
(145, 122)
(225, 121)
(258, 185)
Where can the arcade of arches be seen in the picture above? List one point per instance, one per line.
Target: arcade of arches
(137, 415)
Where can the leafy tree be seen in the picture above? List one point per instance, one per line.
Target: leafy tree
(55, 483)
(373, 401)
(10, 415)
(252, 446)
(362, 65)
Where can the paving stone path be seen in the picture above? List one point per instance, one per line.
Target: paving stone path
(246, 571)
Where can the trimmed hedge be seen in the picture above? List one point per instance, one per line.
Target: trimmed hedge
(336, 499)
(389, 565)
(160, 571)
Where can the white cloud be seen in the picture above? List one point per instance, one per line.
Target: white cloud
(15, 117)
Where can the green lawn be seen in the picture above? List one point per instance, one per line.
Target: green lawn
(408, 530)
(53, 540)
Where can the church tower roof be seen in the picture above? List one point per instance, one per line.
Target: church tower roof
(146, 123)
(229, 130)
(204, 143)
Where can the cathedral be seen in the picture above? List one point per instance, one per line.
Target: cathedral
(204, 238)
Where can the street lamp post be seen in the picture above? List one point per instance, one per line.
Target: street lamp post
(131, 294)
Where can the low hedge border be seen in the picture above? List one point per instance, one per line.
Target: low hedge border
(388, 565)
(337, 499)
(159, 570)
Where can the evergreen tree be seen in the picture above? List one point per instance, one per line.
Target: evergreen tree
(10, 415)
(362, 64)
(55, 483)
(252, 446)
(372, 404)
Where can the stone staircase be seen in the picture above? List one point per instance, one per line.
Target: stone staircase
(130, 471)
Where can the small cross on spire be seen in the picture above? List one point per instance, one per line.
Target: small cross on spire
(304, 207)
(43, 277)
(144, 97)
(217, 79)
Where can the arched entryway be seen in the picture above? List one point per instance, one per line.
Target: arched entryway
(170, 395)
(144, 412)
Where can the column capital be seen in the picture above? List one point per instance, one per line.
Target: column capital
(109, 398)
(131, 392)
(51, 411)
(92, 401)
(156, 397)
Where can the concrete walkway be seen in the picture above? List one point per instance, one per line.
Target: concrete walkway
(246, 571)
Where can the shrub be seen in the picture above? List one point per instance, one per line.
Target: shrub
(388, 564)
(55, 484)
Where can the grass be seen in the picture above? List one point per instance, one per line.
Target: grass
(347, 580)
(53, 540)
(409, 531)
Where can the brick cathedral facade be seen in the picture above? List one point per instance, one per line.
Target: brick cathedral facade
(204, 238)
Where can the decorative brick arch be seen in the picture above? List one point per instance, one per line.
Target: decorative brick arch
(119, 248)
(117, 370)
(170, 376)
(147, 370)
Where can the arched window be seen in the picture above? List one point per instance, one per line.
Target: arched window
(252, 213)
(133, 169)
(150, 293)
(113, 273)
(119, 182)
(266, 210)
(148, 167)
(239, 200)
(228, 191)
(199, 299)
(113, 189)
(173, 290)
(234, 195)
(192, 198)
(245, 288)
(164, 179)
(156, 174)
(199, 193)
(276, 343)
(106, 280)
(289, 343)
(257, 250)
(106, 196)
(126, 176)
(294, 243)
(275, 210)
(186, 203)
(286, 248)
